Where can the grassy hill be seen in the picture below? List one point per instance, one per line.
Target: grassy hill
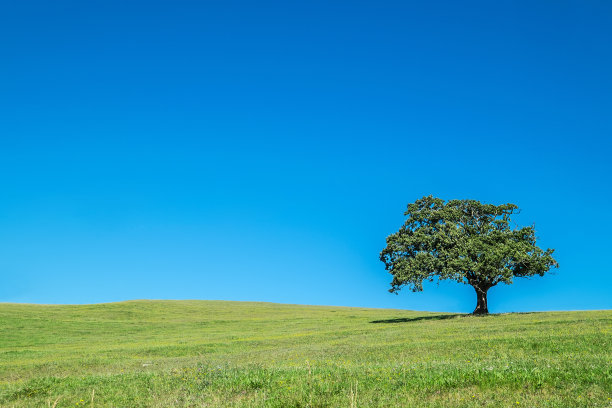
(213, 353)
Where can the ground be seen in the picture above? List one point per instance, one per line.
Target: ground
(239, 354)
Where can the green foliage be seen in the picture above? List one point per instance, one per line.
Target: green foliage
(464, 241)
(238, 354)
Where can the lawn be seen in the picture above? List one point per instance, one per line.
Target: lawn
(240, 354)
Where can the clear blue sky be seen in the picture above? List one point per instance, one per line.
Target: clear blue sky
(264, 150)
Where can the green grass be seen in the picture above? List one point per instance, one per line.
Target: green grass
(235, 354)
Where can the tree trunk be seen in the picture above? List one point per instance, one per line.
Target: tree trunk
(481, 301)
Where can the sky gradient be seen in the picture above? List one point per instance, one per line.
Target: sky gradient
(264, 150)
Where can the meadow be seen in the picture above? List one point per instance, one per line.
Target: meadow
(241, 354)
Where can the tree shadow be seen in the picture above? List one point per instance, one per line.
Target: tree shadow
(419, 318)
(445, 317)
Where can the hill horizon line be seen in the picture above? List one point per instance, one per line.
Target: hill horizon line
(284, 304)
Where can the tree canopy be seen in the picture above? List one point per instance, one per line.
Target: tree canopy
(463, 241)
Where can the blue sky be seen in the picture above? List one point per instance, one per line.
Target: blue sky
(264, 150)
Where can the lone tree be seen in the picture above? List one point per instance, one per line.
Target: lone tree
(464, 241)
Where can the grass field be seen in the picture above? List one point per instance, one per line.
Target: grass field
(235, 354)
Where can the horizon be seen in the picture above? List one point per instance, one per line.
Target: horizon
(295, 304)
(263, 152)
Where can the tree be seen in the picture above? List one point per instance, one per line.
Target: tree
(463, 241)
